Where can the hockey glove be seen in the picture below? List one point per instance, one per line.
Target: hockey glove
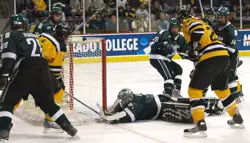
(3, 82)
(192, 54)
(60, 80)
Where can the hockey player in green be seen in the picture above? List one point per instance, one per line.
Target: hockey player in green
(130, 107)
(163, 47)
(48, 26)
(210, 16)
(228, 34)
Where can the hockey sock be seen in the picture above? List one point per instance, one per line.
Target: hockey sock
(233, 86)
(228, 100)
(6, 113)
(239, 86)
(197, 104)
(58, 96)
(17, 105)
(178, 82)
(169, 86)
(58, 100)
(56, 114)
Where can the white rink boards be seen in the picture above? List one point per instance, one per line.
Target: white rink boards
(141, 77)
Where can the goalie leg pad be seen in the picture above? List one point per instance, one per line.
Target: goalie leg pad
(176, 112)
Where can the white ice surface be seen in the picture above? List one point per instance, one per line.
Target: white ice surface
(141, 77)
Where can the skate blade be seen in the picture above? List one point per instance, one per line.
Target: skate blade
(237, 126)
(200, 134)
(51, 130)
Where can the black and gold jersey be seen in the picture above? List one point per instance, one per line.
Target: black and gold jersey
(54, 51)
(209, 44)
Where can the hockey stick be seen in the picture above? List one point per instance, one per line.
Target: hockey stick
(90, 18)
(202, 12)
(90, 108)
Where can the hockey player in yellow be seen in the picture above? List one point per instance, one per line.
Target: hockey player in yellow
(54, 50)
(212, 68)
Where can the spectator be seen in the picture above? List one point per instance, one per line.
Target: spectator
(97, 23)
(130, 19)
(121, 12)
(139, 24)
(76, 8)
(121, 3)
(133, 3)
(156, 9)
(111, 24)
(235, 12)
(153, 23)
(41, 6)
(247, 10)
(167, 8)
(142, 11)
(162, 23)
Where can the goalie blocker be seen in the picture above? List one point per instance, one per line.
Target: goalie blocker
(180, 111)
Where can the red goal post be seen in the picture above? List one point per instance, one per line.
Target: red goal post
(87, 74)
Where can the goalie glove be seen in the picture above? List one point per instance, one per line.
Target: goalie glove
(192, 53)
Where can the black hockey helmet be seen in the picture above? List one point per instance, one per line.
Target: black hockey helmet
(62, 31)
(183, 14)
(210, 11)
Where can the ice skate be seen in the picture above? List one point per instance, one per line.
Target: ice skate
(4, 136)
(199, 131)
(237, 121)
(51, 127)
(71, 130)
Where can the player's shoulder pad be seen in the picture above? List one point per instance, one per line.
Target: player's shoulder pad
(232, 28)
(52, 40)
(9, 34)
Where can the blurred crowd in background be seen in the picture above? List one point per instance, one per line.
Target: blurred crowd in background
(133, 15)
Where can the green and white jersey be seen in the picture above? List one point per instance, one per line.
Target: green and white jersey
(228, 34)
(166, 44)
(142, 107)
(46, 26)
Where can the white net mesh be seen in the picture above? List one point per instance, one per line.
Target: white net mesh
(84, 73)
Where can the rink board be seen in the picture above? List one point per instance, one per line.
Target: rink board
(128, 47)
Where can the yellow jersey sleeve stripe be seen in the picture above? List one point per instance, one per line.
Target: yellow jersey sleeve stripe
(197, 28)
(193, 24)
(53, 40)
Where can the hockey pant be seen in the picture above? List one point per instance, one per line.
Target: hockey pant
(32, 77)
(215, 75)
(58, 95)
(171, 73)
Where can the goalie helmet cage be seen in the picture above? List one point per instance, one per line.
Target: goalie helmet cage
(94, 57)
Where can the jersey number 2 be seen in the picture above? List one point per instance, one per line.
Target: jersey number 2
(36, 49)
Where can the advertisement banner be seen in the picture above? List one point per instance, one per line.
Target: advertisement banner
(138, 43)
(244, 40)
(122, 44)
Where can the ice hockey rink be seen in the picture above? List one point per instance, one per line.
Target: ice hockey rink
(141, 77)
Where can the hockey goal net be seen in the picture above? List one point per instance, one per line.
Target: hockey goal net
(84, 73)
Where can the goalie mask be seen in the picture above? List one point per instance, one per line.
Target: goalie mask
(126, 96)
